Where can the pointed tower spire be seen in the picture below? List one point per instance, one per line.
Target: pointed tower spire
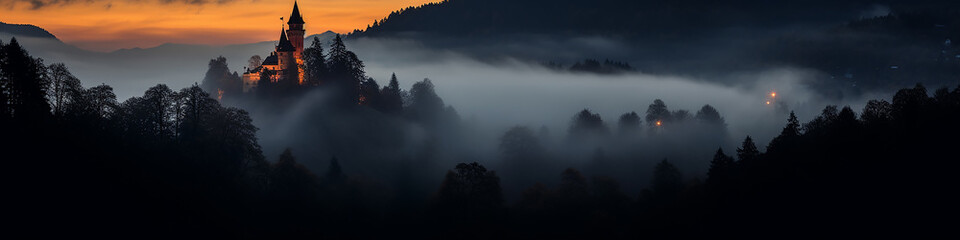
(295, 17)
(284, 45)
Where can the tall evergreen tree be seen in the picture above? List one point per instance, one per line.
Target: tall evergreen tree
(345, 71)
(721, 168)
(391, 96)
(314, 63)
(4, 86)
(25, 83)
(748, 152)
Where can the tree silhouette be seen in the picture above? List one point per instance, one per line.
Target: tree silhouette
(629, 123)
(391, 97)
(519, 144)
(587, 124)
(345, 71)
(25, 84)
(254, 62)
(63, 88)
(219, 78)
(748, 152)
(314, 63)
(709, 115)
(470, 195)
(370, 94)
(721, 169)
(877, 112)
(667, 181)
(657, 112)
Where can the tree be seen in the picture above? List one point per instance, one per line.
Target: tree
(519, 144)
(667, 181)
(25, 84)
(573, 191)
(370, 94)
(793, 126)
(103, 101)
(470, 194)
(721, 169)
(572, 182)
(788, 136)
(710, 116)
(159, 100)
(908, 102)
(828, 116)
(657, 112)
(219, 81)
(877, 112)
(254, 62)
(679, 115)
(314, 63)
(585, 124)
(345, 71)
(629, 123)
(747, 152)
(425, 105)
(64, 87)
(198, 108)
(290, 181)
(391, 97)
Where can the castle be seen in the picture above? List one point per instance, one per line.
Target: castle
(286, 58)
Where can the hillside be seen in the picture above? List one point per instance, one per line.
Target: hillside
(25, 30)
(643, 18)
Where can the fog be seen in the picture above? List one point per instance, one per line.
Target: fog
(490, 94)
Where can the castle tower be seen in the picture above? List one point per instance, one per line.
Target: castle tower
(296, 31)
(286, 61)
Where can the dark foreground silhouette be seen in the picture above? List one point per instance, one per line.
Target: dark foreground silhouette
(178, 164)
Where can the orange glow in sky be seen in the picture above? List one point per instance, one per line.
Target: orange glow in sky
(773, 94)
(659, 123)
(106, 25)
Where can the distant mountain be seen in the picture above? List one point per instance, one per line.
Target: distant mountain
(25, 30)
(640, 18)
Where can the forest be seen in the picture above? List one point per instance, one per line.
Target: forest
(856, 50)
(175, 163)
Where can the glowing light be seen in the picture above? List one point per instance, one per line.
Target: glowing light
(219, 94)
(773, 94)
(768, 102)
(659, 123)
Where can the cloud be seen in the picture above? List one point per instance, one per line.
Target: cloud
(43, 4)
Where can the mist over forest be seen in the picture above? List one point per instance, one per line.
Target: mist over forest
(837, 120)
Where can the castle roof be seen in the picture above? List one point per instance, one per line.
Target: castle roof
(271, 60)
(295, 17)
(285, 45)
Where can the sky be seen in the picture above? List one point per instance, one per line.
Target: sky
(107, 25)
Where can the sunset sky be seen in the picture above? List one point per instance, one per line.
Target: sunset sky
(106, 25)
